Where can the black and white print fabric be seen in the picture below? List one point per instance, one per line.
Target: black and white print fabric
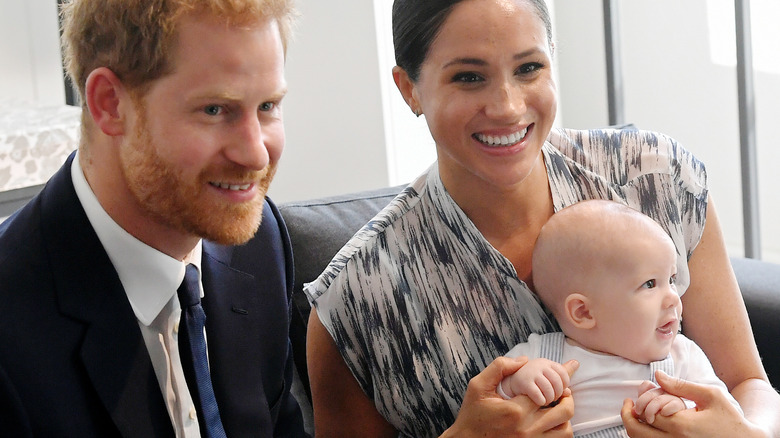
(418, 301)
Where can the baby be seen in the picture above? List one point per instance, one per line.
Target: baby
(607, 273)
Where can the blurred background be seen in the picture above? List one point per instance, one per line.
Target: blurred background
(349, 130)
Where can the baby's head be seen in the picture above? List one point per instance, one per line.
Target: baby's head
(607, 273)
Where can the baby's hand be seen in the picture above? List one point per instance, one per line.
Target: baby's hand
(652, 401)
(542, 380)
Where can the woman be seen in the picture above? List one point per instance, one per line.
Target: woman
(411, 315)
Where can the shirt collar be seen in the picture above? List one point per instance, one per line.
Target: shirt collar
(150, 278)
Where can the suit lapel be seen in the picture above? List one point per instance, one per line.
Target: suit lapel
(247, 323)
(232, 317)
(88, 289)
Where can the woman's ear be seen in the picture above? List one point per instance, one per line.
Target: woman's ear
(406, 87)
(104, 92)
(577, 311)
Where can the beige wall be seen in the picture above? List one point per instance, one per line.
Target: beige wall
(673, 86)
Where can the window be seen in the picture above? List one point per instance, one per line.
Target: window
(764, 15)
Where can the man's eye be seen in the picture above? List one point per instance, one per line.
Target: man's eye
(267, 106)
(213, 110)
(649, 284)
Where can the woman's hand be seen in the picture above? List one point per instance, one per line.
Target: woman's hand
(714, 415)
(485, 413)
(716, 319)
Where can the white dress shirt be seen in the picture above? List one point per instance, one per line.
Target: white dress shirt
(150, 279)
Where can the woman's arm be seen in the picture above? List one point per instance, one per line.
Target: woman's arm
(714, 316)
(341, 408)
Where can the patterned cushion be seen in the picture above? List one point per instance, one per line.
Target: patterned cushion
(35, 140)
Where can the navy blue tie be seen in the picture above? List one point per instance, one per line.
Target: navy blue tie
(194, 361)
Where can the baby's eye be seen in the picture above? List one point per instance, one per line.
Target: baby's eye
(673, 279)
(212, 110)
(649, 284)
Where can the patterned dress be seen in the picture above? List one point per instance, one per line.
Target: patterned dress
(418, 302)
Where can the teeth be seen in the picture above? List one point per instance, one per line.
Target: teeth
(667, 328)
(226, 186)
(504, 140)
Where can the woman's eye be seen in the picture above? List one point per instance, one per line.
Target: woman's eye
(529, 67)
(649, 284)
(213, 110)
(467, 78)
(267, 106)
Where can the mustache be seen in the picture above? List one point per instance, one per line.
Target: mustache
(235, 174)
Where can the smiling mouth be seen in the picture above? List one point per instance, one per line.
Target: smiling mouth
(233, 187)
(667, 328)
(501, 140)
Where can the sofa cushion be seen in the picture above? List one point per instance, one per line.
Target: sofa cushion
(318, 229)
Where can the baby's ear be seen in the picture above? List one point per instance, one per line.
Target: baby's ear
(577, 311)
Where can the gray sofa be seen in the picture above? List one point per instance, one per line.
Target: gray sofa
(319, 228)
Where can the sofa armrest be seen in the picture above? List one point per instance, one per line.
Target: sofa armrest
(760, 285)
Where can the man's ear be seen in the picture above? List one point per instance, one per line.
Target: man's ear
(577, 311)
(104, 93)
(406, 87)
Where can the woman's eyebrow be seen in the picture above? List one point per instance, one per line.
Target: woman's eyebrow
(482, 62)
(466, 61)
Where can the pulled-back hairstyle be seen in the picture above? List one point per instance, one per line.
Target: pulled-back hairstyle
(134, 38)
(416, 23)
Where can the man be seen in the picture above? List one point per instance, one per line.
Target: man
(181, 135)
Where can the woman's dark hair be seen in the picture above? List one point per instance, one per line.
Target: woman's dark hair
(417, 22)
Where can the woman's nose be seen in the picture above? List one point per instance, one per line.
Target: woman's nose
(506, 103)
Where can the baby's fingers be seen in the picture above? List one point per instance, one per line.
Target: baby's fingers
(674, 405)
(664, 405)
(537, 392)
(653, 407)
(553, 386)
(646, 386)
(557, 380)
(647, 392)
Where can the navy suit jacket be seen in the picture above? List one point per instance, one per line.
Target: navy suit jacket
(72, 358)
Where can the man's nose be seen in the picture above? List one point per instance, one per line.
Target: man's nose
(248, 147)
